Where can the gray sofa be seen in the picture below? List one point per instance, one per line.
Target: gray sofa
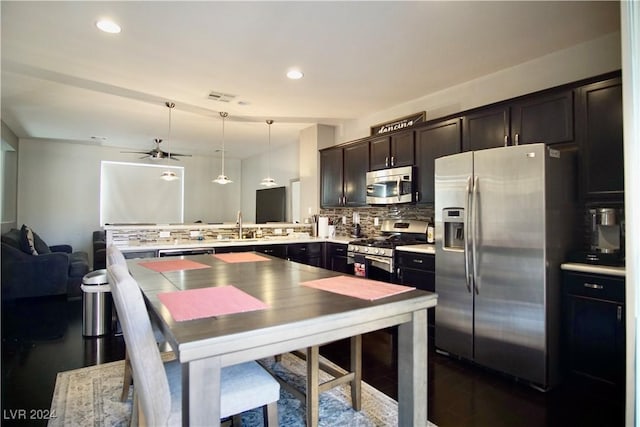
(55, 270)
(99, 250)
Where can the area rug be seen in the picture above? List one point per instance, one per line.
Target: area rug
(91, 397)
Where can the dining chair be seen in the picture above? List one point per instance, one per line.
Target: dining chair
(115, 257)
(159, 386)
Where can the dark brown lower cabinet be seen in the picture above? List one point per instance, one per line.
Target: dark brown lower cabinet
(305, 253)
(279, 251)
(594, 328)
(419, 270)
(337, 258)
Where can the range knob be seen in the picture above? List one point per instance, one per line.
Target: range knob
(375, 251)
(366, 249)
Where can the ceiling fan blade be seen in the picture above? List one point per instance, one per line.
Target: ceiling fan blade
(136, 152)
(178, 154)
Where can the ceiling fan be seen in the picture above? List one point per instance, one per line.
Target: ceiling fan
(158, 154)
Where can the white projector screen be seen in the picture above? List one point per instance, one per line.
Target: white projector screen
(134, 193)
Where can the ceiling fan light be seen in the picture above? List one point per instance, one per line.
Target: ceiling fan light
(222, 179)
(169, 176)
(268, 182)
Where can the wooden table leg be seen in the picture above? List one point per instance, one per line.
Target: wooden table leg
(313, 392)
(412, 371)
(356, 368)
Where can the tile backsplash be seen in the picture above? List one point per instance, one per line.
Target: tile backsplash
(368, 215)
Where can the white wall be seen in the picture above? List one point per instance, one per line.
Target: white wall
(8, 179)
(59, 189)
(565, 66)
(284, 164)
(312, 139)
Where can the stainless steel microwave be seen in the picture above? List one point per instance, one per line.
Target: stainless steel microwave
(390, 186)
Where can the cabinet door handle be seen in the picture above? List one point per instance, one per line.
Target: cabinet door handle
(393, 161)
(506, 140)
(417, 196)
(386, 162)
(619, 315)
(593, 286)
(517, 139)
(417, 261)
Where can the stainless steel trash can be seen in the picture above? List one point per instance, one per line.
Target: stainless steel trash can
(96, 304)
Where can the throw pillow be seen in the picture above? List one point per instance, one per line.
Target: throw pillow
(27, 241)
(41, 246)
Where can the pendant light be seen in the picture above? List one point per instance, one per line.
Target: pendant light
(169, 175)
(268, 181)
(222, 178)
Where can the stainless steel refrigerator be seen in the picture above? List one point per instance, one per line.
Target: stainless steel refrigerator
(504, 224)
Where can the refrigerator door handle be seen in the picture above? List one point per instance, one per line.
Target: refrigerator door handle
(467, 223)
(474, 235)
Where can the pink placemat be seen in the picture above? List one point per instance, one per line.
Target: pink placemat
(172, 265)
(209, 302)
(358, 288)
(241, 257)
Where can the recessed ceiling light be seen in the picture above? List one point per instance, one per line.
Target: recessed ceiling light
(294, 74)
(108, 26)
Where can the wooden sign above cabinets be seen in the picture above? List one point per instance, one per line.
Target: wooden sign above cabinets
(398, 124)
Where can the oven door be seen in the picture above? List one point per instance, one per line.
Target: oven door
(372, 266)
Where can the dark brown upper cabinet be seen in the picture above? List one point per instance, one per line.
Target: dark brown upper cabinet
(433, 141)
(331, 177)
(546, 118)
(356, 165)
(392, 151)
(343, 175)
(486, 128)
(600, 140)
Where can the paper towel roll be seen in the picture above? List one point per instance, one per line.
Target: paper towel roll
(323, 227)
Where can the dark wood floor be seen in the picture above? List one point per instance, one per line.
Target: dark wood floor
(43, 337)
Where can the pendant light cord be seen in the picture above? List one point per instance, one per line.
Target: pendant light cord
(224, 115)
(170, 105)
(269, 122)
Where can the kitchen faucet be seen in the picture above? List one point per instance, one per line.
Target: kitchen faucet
(239, 223)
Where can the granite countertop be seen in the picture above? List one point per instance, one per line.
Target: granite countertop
(594, 269)
(420, 249)
(192, 244)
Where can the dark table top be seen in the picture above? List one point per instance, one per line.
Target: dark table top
(295, 311)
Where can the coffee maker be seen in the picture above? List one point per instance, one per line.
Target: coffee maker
(606, 236)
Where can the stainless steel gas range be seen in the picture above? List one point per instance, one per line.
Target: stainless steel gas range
(373, 257)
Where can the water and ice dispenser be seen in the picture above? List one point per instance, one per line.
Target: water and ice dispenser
(453, 221)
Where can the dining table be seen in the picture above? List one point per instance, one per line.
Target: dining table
(268, 306)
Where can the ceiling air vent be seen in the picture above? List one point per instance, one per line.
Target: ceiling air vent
(222, 97)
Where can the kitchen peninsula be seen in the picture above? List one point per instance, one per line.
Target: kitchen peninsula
(153, 240)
